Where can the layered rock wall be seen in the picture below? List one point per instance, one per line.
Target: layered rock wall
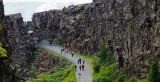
(130, 27)
(21, 42)
(6, 72)
(27, 59)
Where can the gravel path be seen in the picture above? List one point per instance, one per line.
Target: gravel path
(85, 75)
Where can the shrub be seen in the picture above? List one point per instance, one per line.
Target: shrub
(154, 73)
(102, 54)
(96, 66)
(102, 78)
(133, 79)
(106, 55)
(33, 72)
(110, 57)
(121, 75)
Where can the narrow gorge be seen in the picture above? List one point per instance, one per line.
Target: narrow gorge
(129, 28)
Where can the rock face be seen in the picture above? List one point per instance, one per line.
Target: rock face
(6, 72)
(26, 58)
(43, 23)
(129, 26)
(46, 61)
(21, 43)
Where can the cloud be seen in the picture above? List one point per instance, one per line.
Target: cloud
(29, 7)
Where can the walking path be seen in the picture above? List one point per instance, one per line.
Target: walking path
(85, 75)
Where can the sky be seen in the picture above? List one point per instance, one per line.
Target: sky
(28, 7)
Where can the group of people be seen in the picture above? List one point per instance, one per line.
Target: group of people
(64, 51)
(81, 67)
(51, 42)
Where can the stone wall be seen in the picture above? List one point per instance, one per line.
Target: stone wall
(6, 72)
(130, 27)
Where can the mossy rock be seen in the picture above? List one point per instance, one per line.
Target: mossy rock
(1, 27)
(1, 44)
(3, 53)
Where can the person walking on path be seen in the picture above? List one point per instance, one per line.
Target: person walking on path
(80, 67)
(75, 67)
(53, 43)
(67, 51)
(49, 41)
(83, 67)
(80, 60)
(72, 53)
(79, 75)
(83, 61)
(61, 51)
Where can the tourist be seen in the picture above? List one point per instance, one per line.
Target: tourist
(80, 67)
(75, 67)
(79, 75)
(67, 51)
(83, 61)
(72, 53)
(53, 43)
(49, 41)
(61, 51)
(80, 60)
(83, 67)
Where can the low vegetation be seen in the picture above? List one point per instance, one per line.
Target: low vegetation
(103, 69)
(62, 73)
(59, 74)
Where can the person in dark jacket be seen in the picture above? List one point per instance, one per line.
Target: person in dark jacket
(83, 67)
(80, 67)
(75, 67)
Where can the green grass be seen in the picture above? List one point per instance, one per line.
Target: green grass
(58, 74)
(104, 70)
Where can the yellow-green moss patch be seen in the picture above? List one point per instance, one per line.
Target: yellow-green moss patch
(1, 27)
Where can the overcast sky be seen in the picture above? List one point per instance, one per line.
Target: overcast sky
(28, 7)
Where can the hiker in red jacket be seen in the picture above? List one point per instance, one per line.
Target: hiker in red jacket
(49, 40)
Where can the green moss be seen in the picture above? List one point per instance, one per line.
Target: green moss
(3, 52)
(1, 27)
(1, 44)
(142, 49)
(143, 6)
(80, 15)
(132, 21)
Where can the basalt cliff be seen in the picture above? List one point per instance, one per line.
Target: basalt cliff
(6, 72)
(129, 27)
(27, 58)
